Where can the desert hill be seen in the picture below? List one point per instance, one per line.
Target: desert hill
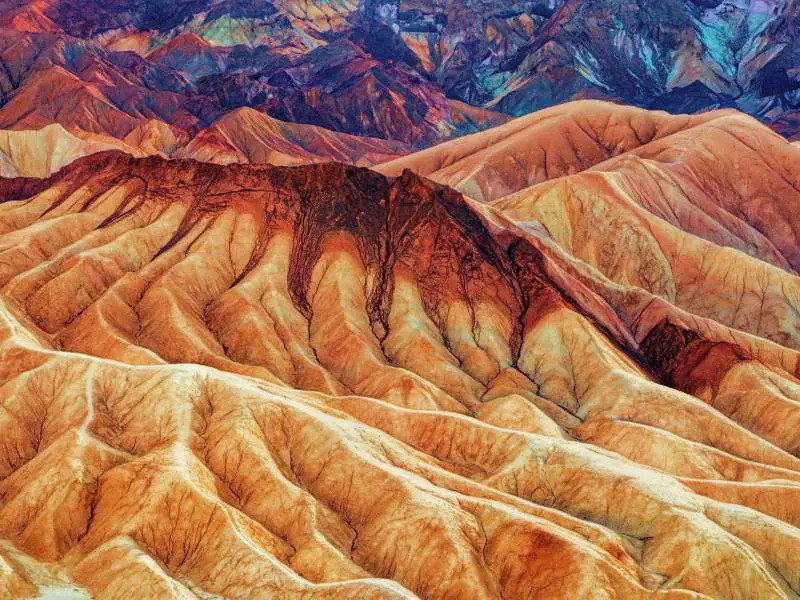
(39, 153)
(693, 209)
(248, 136)
(256, 381)
(562, 140)
(241, 136)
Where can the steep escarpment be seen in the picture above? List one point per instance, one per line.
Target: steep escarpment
(255, 381)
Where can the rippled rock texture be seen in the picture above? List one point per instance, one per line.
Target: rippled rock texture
(321, 381)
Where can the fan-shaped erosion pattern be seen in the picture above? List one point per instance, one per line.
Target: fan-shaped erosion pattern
(319, 381)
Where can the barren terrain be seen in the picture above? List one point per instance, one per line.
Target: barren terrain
(251, 381)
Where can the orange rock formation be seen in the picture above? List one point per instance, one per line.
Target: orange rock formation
(319, 381)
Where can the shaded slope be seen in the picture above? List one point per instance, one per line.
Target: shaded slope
(50, 78)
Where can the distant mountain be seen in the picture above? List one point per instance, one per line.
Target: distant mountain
(245, 135)
(394, 69)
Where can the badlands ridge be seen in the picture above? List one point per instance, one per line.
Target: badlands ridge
(254, 381)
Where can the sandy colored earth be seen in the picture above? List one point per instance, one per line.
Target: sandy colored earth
(320, 381)
(42, 152)
(241, 136)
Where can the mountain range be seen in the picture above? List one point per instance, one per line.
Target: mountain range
(390, 299)
(406, 71)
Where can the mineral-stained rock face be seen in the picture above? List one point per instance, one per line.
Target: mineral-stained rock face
(320, 381)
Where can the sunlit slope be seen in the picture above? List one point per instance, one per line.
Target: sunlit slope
(544, 145)
(705, 219)
(39, 153)
(248, 136)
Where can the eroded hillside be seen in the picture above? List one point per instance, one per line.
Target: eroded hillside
(319, 381)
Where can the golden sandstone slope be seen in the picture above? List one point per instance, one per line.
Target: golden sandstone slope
(319, 381)
(241, 136)
(562, 140)
(41, 152)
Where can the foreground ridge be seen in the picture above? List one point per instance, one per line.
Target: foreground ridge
(255, 381)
